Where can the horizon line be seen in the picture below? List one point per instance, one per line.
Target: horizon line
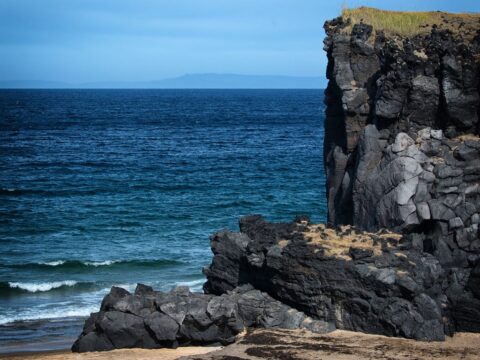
(172, 88)
(185, 81)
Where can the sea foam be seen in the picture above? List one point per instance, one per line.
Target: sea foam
(194, 285)
(100, 263)
(53, 263)
(41, 287)
(43, 314)
(84, 263)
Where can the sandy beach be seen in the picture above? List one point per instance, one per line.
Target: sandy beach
(124, 354)
(293, 344)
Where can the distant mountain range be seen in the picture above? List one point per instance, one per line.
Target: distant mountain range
(189, 81)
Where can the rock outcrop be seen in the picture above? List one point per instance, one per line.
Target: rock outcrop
(293, 276)
(153, 319)
(379, 283)
(401, 147)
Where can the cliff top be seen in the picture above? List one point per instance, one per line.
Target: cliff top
(413, 23)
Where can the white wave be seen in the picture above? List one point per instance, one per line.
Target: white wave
(194, 285)
(37, 314)
(86, 263)
(100, 263)
(128, 287)
(191, 283)
(53, 263)
(41, 287)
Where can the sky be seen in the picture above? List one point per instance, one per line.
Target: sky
(142, 40)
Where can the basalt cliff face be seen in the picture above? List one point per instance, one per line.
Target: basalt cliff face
(401, 147)
(400, 255)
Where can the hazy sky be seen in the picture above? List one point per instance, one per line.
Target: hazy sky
(125, 40)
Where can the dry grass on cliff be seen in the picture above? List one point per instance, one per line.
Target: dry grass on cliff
(466, 137)
(413, 23)
(337, 242)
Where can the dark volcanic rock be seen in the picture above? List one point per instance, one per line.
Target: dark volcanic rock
(150, 319)
(295, 275)
(410, 159)
(401, 134)
(377, 283)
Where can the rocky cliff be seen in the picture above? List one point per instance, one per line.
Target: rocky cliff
(401, 253)
(401, 147)
(372, 282)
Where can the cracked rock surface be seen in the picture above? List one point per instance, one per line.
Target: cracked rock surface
(153, 319)
(404, 152)
(401, 135)
(381, 283)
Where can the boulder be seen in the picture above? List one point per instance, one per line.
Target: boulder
(180, 317)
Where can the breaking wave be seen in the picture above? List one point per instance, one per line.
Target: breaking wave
(76, 264)
(15, 288)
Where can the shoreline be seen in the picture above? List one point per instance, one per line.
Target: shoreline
(136, 353)
(32, 354)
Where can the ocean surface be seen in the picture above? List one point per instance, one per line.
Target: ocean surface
(118, 187)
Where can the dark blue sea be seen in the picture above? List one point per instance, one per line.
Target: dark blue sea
(117, 187)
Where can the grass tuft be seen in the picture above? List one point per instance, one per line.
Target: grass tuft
(411, 23)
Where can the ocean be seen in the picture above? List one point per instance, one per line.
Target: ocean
(118, 187)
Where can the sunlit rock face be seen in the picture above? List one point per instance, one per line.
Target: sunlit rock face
(154, 319)
(372, 282)
(401, 147)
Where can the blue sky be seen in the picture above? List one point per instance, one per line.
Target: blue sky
(142, 40)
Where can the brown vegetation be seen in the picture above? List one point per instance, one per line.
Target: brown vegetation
(338, 242)
(413, 23)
